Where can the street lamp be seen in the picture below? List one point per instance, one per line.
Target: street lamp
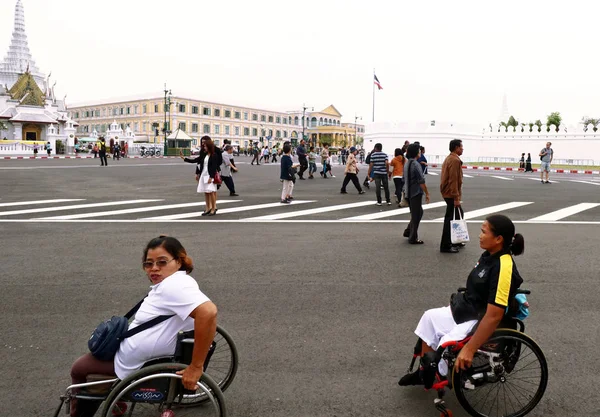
(304, 108)
(167, 107)
(355, 127)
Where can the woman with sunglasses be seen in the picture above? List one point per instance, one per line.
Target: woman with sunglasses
(173, 292)
(208, 163)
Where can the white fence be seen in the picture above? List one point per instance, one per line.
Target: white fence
(572, 145)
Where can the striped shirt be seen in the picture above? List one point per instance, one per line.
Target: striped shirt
(378, 160)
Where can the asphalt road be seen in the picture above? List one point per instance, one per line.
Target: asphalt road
(322, 312)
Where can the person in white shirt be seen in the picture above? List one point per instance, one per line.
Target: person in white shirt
(173, 292)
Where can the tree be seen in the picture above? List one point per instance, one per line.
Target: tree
(586, 121)
(326, 140)
(360, 140)
(512, 122)
(554, 118)
(538, 123)
(3, 126)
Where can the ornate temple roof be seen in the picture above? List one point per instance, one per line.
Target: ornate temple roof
(18, 58)
(27, 92)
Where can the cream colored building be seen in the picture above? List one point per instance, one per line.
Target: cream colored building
(145, 116)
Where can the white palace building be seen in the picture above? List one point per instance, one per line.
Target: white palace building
(29, 111)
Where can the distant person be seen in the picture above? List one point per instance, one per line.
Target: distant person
(324, 157)
(48, 148)
(312, 162)
(397, 173)
(379, 167)
(546, 154)
(414, 188)
(522, 161)
(95, 150)
(103, 160)
(302, 159)
(227, 169)
(255, 153)
(351, 172)
(528, 167)
(287, 174)
(274, 155)
(451, 181)
(117, 151)
(422, 160)
(35, 150)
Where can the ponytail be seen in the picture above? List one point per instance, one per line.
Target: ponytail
(517, 247)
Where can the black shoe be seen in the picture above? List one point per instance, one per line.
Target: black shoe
(212, 213)
(429, 369)
(285, 201)
(406, 233)
(361, 192)
(233, 195)
(301, 178)
(343, 192)
(458, 245)
(205, 213)
(411, 379)
(290, 198)
(547, 182)
(451, 249)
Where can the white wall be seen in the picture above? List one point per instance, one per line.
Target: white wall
(571, 144)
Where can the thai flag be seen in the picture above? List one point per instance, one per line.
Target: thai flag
(377, 83)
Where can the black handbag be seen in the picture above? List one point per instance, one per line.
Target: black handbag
(108, 335)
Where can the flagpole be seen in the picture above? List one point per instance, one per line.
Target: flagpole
(373, 95)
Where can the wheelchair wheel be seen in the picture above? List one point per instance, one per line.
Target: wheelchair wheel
(156, 391)
(508, 377)
(222, 366)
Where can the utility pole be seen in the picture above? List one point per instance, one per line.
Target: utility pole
(167, 107)
(304, 108)
(355, 127)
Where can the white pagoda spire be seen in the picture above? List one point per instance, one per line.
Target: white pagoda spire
(504, 114)
(19, 58)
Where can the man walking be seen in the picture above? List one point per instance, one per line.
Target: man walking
(547, 155)
(379, 167)
(301, 152)
(227, 167)
(255, 152)
(324, 157)
(351, 172)
(103, 161)
(451, 188)
(312, 162)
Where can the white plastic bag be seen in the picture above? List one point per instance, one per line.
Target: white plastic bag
(458, 230)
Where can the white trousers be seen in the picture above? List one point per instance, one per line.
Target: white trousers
(287, 189)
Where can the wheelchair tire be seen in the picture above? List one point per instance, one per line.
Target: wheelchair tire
(498, 364)
(219, 408)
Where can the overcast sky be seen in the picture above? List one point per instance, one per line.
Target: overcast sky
(442, 60)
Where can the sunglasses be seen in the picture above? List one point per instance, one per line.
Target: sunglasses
(161, 263)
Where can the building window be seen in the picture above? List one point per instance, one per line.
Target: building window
(237, 130)
(206, 111)
(285, 133)
(217, 129)
(296, 120)
(263, 132)
(228, 114)
(135, 109)
(278, 134)
(156, 108)
(278, 119)
(246, 131)
(245, 115)
(122, 111)
(270, 119)
(285, 121)
(217, 112)
(263, 118)
(254, 131)
(227, 130)
(195, 109)
(237, 115)
(77, 115)
(255, 117)
(194, 127)
(270, 133)
(135, 126)
(182, 126)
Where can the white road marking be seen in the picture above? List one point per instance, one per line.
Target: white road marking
(502, 178)
(313, 211)
(390, 213)
(88, 166)
(75, 207)
(538, 180)
(227, 210)
(584, 182)
(31, 203)
(566, 212)
(492, 209)
(435, 174)
(467, 175)
(134, 210)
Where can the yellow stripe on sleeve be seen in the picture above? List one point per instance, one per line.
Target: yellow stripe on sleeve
(504, 280)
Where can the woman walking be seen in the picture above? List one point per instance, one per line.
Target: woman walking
(528, 167)
(208, 165)
(414, 188)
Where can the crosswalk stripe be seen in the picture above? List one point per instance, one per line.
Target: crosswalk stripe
(31, 203)
(502, 178)
(134, 210)
(584, 182)
(492, 209)
(75, 207)
(435, 174)
(566, 212)
(390, 213)
(538, 180)
(313, 211)
(227, 210)
(467, 176)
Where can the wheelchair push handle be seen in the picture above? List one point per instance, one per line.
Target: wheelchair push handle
(519, 291)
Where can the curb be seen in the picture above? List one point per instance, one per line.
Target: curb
(558, 171)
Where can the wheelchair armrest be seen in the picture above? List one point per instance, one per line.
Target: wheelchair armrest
(520, 291)
(462, 289)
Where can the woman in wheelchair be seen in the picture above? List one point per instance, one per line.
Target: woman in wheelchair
(173, 292)
(491, 287)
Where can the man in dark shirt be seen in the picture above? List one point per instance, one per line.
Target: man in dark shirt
(379, 166)
(301, 152)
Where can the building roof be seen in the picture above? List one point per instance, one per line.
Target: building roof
(27, 92)
(33, 118)
(331, 110)
(179, 135)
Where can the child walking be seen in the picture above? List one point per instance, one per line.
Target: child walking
(288, 174)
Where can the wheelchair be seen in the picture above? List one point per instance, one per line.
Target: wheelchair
(156, 390)
(508, 375)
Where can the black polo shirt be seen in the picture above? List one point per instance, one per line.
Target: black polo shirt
(494, 280)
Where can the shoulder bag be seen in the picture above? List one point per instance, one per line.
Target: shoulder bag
(406, 194)
(108, 335)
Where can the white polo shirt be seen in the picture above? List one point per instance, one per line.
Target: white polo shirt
(177, 294)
